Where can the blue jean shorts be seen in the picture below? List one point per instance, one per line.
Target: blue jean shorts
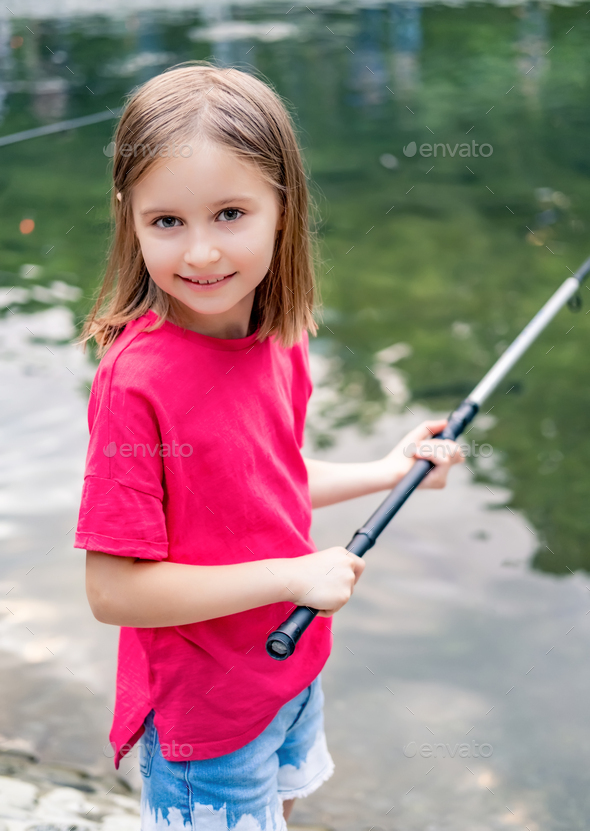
(245, 788)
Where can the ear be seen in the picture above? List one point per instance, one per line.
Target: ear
(119, 196)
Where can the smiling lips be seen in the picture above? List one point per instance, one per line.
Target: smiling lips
(207, 280)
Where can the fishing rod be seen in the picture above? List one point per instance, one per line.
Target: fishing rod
(281, 643)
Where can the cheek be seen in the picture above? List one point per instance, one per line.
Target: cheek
(257, 242)
(158, 254)
(233, 247)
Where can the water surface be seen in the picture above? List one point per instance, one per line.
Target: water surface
(430, 265)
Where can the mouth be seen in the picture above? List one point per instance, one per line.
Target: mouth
(209, 280)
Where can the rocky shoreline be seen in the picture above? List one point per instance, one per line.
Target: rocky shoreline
(51, 796)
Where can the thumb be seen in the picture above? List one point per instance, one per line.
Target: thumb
(428, 429)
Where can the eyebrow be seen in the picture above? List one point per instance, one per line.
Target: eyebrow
(229, 200)
(233, 199)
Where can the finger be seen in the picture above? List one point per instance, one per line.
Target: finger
(360, 567)
(440, 452)
(436, 479)
(357, 567)
(428, 429)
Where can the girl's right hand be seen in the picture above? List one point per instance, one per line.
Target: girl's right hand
(325, 580)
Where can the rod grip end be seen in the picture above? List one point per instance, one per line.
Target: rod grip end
(280, 646)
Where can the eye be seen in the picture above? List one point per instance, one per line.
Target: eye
(167, 222)
(232, 211)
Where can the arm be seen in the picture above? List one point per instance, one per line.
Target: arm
(332, 482)
(126, 591)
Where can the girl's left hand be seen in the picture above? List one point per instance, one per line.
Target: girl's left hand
(419, 444)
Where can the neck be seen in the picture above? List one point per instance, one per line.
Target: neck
(178, 315)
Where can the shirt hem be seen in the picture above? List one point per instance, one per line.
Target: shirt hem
(214, 749)
(125, 548)
(221, 747)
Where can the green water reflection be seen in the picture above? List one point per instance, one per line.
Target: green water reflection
(450, 254)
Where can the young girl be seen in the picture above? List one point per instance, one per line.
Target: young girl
(196, 508)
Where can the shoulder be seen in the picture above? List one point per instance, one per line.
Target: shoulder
(296, 358)
(136, 353)
(300, 351)
(131, 367)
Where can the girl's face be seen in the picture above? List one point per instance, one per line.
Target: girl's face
(204, 218)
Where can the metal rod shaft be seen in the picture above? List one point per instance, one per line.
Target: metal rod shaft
(519, 346)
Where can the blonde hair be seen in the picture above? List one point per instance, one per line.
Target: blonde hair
(245, 116)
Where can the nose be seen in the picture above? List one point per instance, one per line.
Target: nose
(201, 250)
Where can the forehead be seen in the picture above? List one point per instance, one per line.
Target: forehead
(208, 172)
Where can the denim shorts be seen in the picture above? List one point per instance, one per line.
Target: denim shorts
(245, 788)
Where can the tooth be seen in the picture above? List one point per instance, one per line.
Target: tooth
(206, 282)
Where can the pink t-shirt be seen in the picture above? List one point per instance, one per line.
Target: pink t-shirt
(195, 457)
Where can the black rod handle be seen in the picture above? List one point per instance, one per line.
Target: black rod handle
(281, 643)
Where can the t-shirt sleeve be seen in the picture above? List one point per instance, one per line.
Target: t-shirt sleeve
(121, 510)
